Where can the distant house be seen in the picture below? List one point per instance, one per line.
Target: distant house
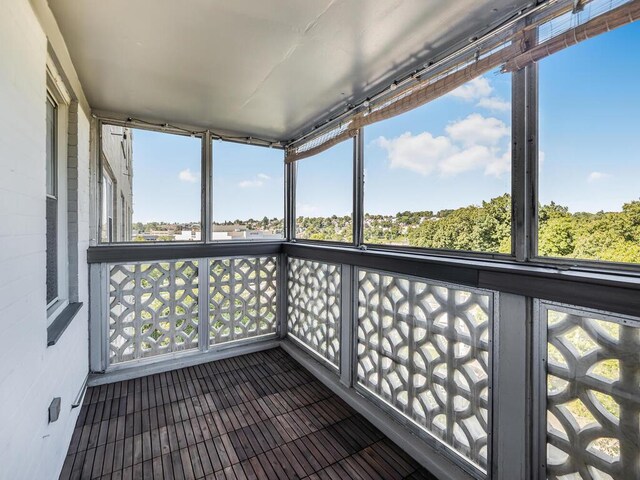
(188, 235)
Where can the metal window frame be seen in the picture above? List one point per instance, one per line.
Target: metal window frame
(356, 205)
(358, 189)
(517, 190)
(204, 184)
(51, 305)
(532, 119)
(290, 201)
(50, 98)
(207, 199)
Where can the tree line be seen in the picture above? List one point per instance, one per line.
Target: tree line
(609, 236)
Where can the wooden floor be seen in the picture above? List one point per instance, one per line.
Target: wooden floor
(258, 416)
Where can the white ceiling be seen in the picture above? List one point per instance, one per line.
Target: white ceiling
(265, 68)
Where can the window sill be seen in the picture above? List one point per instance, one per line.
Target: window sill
(62, 321)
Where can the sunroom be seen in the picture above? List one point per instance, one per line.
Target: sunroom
(334, 239)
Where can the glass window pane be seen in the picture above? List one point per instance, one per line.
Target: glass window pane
(51, 148)
(248, 192)
(324, 195)
(153, 177)
(52, 249)
(589, 191)
(439, 176)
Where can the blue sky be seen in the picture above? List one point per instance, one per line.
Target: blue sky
(248, 182)
(248, 179)
(447, 154)
(589, 125)
(166, 177)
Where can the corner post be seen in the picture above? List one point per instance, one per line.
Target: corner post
(358, 188)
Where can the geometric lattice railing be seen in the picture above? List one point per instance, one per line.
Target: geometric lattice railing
(313, 306)
(423, 348)
(153, 309)
(592, 394)
(242, 298)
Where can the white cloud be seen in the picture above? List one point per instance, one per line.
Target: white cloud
(474, 90)
(476, 129)
(471, 144)
(494, 103)
(480, 91)
(187, 176)
(597, 176)
(259, 181)
(421, 153)
(499, 165)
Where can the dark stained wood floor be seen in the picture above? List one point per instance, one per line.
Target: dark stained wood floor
(258, 416)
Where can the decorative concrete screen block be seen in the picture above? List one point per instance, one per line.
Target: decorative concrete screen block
(592, 394)
(242, 298)
(424, 349)
(153, 309)
(313, 306)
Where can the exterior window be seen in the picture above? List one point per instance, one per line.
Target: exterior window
(123, 223)
(324, 195)
(60, 266)
(589, 193)
(439, 176)
(248, 192)
(107, 208)
(52, 203)
(157, 174)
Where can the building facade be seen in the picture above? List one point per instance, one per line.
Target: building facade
(117, 183)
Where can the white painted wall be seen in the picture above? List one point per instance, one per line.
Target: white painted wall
(32, 374)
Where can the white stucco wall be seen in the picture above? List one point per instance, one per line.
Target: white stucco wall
(32, 374)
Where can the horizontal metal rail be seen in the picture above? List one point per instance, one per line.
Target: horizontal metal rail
(615, 292)
(173, 251)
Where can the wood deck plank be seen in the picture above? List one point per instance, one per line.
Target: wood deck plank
(259, 416)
